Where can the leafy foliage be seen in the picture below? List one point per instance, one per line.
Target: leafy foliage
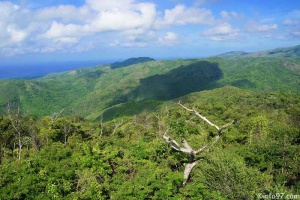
(96, 160)
(96, 133)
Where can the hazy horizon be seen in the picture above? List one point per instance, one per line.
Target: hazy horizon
(28, 70)
(31, 70)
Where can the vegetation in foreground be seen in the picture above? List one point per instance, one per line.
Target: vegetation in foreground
(126, 158)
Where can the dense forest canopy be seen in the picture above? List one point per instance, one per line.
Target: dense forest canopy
(97, 133)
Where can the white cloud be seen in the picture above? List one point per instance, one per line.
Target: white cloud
(290, 22)
(141, 16)
(64, 27)
(295, 33)
(131, 22)
(66, 40)
(7, 8)
(230, 15)
(127, 22)
(53, 27)
(257, 27)
(181, 15)
(58, 30)
(143, 40)
(129, 42)
(65, 13)
(104, 5)
(8, 32)
(221, 32)
(295, 14)
(170, 38)
(16, 35)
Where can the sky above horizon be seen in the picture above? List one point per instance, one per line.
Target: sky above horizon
(81, 30)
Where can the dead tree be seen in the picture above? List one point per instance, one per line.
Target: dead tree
(67, 128)
(188, 149)
(56, 115)
(117, 125)
(17, 121)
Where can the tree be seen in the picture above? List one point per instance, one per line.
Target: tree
(188, 149)
(6, 136)
(18, 124)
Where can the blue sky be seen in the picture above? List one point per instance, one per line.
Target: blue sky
(80, 30)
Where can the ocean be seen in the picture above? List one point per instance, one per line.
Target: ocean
(34, 70)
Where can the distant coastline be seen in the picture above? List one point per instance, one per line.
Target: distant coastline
(34, 70)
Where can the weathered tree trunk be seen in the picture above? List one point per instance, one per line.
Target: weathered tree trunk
(66, 130)
(20, 145)
(17, 122)
(188, 149)
(117, 125)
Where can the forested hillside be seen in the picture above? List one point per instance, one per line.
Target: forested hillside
(89, 92)
(97, 133)
(130, 61)
(126, 158)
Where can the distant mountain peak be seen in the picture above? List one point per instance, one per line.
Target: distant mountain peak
(288, 52)
(232, 54)
(130, 61)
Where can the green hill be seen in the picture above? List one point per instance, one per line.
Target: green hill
(290, 52)
(89, 92)
(232, 54)
(130, 61)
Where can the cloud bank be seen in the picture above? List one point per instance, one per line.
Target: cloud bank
(126, 23)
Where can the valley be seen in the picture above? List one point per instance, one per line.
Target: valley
(89, 92)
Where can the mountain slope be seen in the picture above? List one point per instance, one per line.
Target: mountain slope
(89, 92)
(289, 52)
(232, 54)
(130, 61)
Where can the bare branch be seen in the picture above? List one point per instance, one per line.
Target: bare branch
(171, 142)
(13, 119)
(101, 125)
(56, 115)
(227, 125)
(117, 126)
(25, 141)
(186, 145)
(175, 144)
(199, 115)
(200, 150)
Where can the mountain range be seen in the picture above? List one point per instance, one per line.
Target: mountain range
(114, 131)
(139, 84)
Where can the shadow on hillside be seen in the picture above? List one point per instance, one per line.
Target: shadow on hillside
(195, 77)
(198, 76)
